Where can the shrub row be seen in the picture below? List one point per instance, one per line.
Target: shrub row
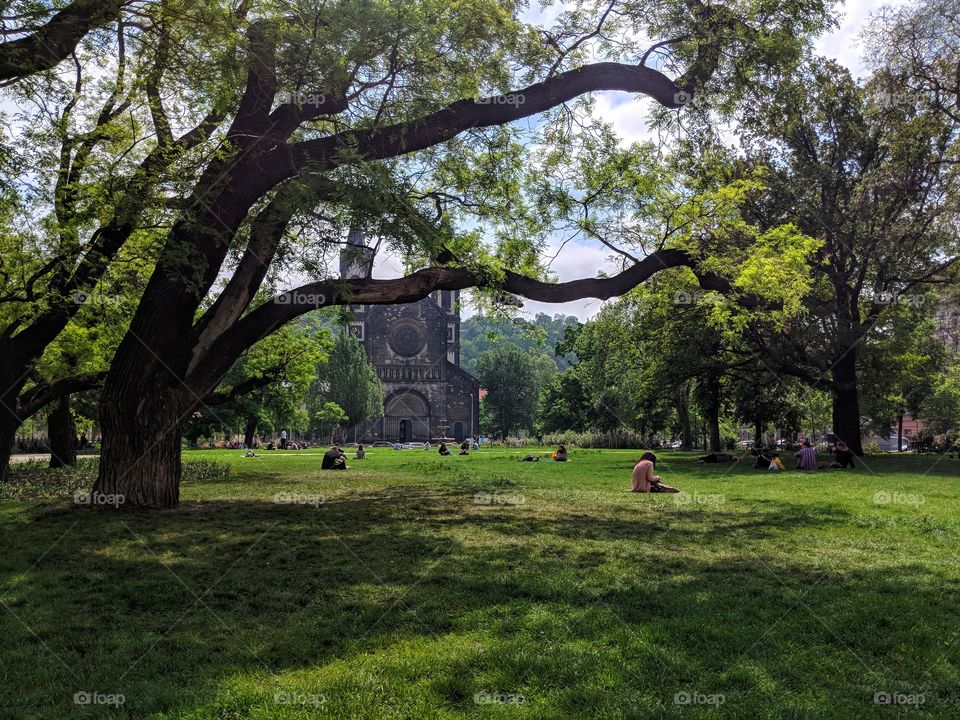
(35, 479)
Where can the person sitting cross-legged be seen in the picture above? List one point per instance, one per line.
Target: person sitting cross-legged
(643, 478)
(806, 457)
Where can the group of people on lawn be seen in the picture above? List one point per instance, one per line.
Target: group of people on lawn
(643, 480)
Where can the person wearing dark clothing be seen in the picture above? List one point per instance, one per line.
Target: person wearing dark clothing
(716, 458)
(464, 448)
(843, 457)
(334, 459)
(443, 449)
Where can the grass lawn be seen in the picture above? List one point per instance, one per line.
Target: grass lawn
(414, 586)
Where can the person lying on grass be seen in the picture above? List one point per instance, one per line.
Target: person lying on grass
(643, 478)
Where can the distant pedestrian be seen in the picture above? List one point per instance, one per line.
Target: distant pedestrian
(283, 439)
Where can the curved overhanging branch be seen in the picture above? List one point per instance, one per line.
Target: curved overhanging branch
(36, 398)
(434, 128)
(266, 318)
(53, 42)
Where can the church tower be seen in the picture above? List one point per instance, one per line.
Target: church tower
(415, 348)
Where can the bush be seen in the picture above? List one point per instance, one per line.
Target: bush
(923, 441)
(872, 447)
(194, 470)
(35, 480)
(615, 439)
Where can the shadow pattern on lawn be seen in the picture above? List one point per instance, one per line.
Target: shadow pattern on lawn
(408, 602)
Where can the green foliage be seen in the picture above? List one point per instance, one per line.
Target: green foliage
(273, 379)
(509, 375)
(540, 336)
(347, 387)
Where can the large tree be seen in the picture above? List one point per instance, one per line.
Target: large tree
(869, 171)
(335, 101)
(88, 177)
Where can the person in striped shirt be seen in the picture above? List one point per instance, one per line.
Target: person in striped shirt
(807, 457)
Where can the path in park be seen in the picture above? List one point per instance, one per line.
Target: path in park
(27, 458)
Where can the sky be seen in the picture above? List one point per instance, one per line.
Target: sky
(580, 259)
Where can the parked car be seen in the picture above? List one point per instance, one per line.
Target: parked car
(414, 446)
(382, 444)
(889, 444)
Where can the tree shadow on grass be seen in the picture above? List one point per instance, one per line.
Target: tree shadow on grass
(407, 604)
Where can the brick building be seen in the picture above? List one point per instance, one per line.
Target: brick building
(415, 348)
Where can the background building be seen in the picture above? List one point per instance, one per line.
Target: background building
(415, 348)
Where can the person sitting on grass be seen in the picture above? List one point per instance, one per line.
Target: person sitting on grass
(334, 459)
(361, 453)
(843, 457)
(776, 464)
(806, 457)
(443, 449)
(464, 448)
(716, 458)
(643, 478)
(561, 454)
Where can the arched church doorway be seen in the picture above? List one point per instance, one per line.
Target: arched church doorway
(406, 417)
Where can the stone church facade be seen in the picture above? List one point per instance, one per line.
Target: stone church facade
(415, 349)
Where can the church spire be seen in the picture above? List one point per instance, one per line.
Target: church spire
(356, 258)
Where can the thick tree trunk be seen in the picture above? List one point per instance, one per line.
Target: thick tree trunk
(758, 433)
(8, 434)
(713, 413)
(682, 404)
(62, 432)
(900, 432)
(250, 430)
(142, 409)
(140, 456)
(846, 402)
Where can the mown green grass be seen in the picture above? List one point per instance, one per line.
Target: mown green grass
(399, 596)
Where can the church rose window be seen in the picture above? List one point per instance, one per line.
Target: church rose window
(407, 339)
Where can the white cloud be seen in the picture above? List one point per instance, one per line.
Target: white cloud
(844, 45)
